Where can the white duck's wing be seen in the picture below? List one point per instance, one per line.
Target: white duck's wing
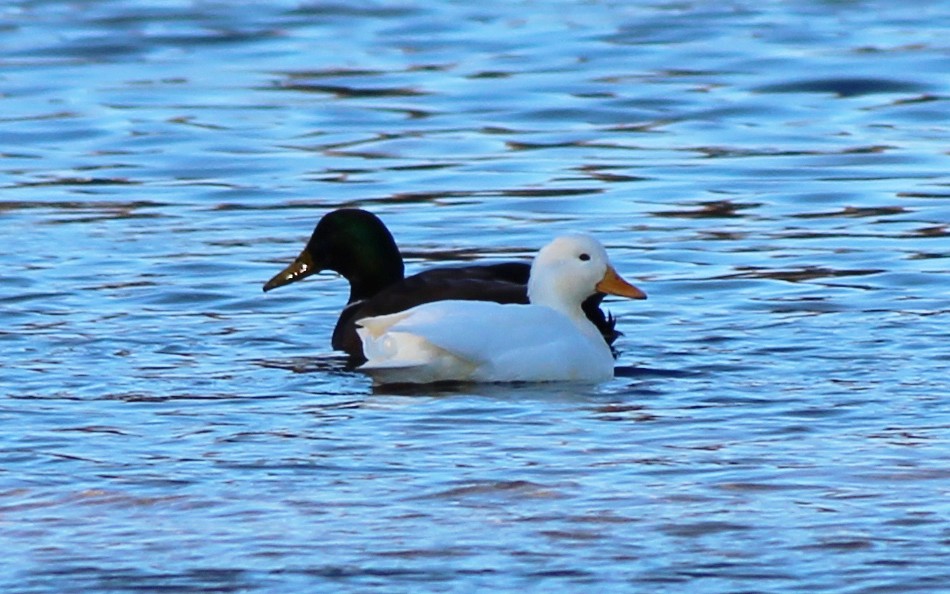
(481, 341)
(397, 349)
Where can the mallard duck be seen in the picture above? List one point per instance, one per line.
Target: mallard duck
(357, 245)
(550, 339)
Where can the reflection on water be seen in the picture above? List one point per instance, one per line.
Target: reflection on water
(774, 175)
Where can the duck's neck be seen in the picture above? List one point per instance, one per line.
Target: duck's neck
(539, 293)
(373, 269)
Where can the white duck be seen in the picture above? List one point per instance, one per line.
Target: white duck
(478, 341)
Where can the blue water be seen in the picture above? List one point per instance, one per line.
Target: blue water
(773, 174)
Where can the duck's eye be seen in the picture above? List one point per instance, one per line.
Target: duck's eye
(584, 257)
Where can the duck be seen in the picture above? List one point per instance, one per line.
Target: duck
(357, 245)
(548, 339)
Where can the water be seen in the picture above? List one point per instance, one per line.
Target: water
(773, 174)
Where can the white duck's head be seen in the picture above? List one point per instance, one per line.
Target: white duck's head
(572, 268)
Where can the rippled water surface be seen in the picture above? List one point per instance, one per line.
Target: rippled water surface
(773, 174)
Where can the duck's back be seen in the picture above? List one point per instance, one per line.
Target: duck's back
(501, 283)
(480, 341)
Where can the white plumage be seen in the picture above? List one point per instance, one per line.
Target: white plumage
(548, 340)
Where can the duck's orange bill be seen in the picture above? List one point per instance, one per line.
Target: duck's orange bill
(612, 284)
